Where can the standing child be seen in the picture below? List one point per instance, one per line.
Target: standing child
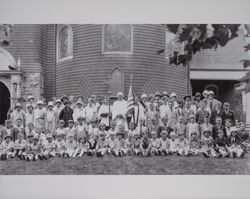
(60, 146)
(192, 126)
(81, 128)
(93, 130)
(71, 130)
(49, 147)
(164, 143)
(18, 128)
(51, 119)
(19, 146)
(183, 146)
(112, 128)
(228, 126)
(206, 125)
(71, 146)
(154, 144)
(61, 130)
(7, 148)
(179, 127)
(131, 128)
(30, 129)
(173, 143)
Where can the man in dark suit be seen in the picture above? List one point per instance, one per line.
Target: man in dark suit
(66, 113)
(227, 114)
(217, 127)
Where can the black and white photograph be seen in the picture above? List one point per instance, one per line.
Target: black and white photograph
(124, 99)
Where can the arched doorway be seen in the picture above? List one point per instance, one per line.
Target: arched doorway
(4, 102)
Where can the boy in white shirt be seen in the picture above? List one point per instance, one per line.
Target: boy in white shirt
(71, 146)
(49, 147)
(154, 144)
(173, 143)
(164, 143)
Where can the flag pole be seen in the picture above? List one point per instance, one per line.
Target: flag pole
(131, 83)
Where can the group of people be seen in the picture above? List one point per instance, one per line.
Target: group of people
(158, 124)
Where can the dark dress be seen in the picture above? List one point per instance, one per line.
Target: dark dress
(66, 114)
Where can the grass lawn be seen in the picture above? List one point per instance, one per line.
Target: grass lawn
(127, 165)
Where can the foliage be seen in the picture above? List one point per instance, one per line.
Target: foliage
(5, 30)
(197, 37)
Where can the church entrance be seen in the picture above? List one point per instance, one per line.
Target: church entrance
(4, 102)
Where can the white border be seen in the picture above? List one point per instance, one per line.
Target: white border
(128, 12)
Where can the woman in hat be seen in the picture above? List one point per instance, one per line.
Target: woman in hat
(58, 107)
(66, 113)
(17, 113)
(104, 114)
(119, 107)
(39, 114)
(29, 115)
(79, 111)
(51, 119)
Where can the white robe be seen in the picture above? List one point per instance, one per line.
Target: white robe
(119, 107)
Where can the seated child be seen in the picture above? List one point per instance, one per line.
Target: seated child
(61, 130)
(235, 143)
(207, 145)
(244, 135)
(221, 144)
(164, 143)
(7, 129)
(137, 144)
(111, 143)
(35, 150)
(49, 147)
(154, 144)
(60, 146)
(7, 148)
(19, 146)
(129, 144)
(93, 145)
(70, 147)
(194, 144)
(119, 149)
(102, 129)
(102, 143)
(18, 128)
(145, 145)
(173, 143)
(82, 147)
(27, 155)
(183, 145)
